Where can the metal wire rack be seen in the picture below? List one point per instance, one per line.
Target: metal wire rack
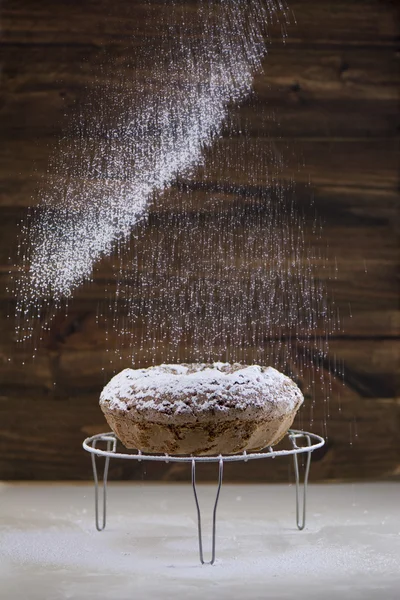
(311, 443)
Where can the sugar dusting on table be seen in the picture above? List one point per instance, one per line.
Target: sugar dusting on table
(149, 549)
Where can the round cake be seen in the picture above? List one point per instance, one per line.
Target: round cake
(200, 409)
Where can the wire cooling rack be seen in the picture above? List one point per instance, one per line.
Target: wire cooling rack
(308, 443)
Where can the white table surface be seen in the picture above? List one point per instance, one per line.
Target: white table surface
(50, 550)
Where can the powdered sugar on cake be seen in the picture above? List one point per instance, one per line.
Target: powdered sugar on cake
(187, 389)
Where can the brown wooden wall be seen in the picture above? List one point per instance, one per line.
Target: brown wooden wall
(333, 87)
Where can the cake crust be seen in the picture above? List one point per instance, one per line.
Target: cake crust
(200, 409)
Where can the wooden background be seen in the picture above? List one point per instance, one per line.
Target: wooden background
(333, 87)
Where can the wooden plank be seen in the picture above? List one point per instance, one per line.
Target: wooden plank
(301, 94)
(360, 284)
(332, 206)
(78, 354)
(34, 446)
(361, 164)
(358, 22)
(284, 114)
(336, 74)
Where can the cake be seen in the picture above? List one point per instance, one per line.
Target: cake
(200, 409)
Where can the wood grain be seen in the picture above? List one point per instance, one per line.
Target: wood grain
(327, 104)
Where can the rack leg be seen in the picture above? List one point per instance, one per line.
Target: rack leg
(214, 524)
(301, 514)
(101, 526)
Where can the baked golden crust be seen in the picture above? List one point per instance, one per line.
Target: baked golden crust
(200, 409)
